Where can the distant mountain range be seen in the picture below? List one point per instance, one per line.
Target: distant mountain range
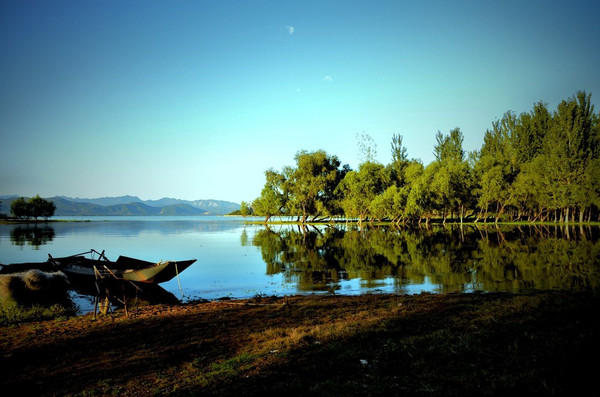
(131, 205)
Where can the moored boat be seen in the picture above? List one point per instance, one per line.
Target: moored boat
(124, 268)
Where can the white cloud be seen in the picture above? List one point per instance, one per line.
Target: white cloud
(328, 78)
(290, 29)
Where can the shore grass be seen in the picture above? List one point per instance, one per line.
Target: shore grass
(491, 344)
(12, 314)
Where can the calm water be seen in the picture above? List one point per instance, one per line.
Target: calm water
(240, 260)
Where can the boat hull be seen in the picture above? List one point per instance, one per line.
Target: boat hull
(124, 268)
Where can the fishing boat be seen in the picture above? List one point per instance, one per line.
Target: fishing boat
(97, 265)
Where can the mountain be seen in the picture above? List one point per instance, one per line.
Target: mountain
(131, 206)
(163, 202)
(106, 201)
(212, 207)
(181, 209)
(67, 207)
(216, 206)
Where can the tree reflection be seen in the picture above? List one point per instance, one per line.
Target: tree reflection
(451, 258)
(33, 236)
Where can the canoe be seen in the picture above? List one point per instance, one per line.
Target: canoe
(124, 268)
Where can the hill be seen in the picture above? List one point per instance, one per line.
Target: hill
(131, 206)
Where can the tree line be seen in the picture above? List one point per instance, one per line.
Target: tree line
(538, 166)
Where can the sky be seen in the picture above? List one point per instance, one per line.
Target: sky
(197, 99)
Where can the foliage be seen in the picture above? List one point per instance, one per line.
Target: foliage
(35, 208)
(360, 188)
(536, 166)
(305, 190)
(245, 209)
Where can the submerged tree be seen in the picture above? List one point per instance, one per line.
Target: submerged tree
(310, 185)
(537, 166)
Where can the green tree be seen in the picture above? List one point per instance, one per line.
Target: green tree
(568, 150)
(272, 200)
(20, 208)
(361, 187)
(496, 167)
(399, 161)
(449, 147)
(35, 208)
(399, 152)
(41, 208)
(310, 186)
(420, 200)
(452, 182)
(530, 132)
(245, 209)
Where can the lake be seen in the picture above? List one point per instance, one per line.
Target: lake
(237, 259)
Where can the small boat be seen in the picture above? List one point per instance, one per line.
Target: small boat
(124, 268)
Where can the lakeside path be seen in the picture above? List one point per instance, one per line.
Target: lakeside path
(543, 343)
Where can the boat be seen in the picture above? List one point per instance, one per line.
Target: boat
(124, 268)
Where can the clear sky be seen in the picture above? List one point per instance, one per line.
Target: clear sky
(196, 99)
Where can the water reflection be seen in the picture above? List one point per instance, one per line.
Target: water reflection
(451, 258)
(33, 236)
(104, 295)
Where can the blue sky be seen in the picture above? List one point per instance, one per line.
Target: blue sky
(196, 99)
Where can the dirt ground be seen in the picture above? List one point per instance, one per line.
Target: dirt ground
(497, 344)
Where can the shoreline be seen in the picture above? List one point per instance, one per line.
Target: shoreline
(445, 344)
(433, 222)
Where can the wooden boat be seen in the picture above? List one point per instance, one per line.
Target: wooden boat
(124, 268)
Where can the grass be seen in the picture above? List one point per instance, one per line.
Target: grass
(451, 345)
(13, 314)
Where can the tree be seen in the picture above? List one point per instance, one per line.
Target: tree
(449, 147)
(20, 208)
(420, 200)
(367, 149)
(399, 160)
(530, 132)
(361, 187)
(567, 152)
(272, 200)
(537, 165)
(41, 208)
(33, 208)
(496, 167)
(310, 186)
(245, 209)
(399, 152)
(452, 182)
